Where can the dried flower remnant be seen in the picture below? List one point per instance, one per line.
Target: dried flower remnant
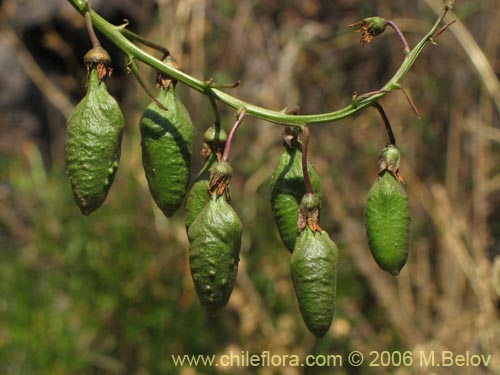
(370, 28)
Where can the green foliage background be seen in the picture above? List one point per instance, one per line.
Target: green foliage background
(111, 293)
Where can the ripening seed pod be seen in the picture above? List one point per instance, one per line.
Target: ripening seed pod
(93, 144)
(387, 215)
(166, 137)
(313, 266)
(214, 251)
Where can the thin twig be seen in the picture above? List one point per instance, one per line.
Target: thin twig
(130, 35)
(90, 30)
(305, 172)
(398, 31)
(410, 100)
(133, 68)
(387, 124)
(227, 150)
(210, 83)
(443, 29)
(215, 109)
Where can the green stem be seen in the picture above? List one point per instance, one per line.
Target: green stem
(114, 34)
(215, 109)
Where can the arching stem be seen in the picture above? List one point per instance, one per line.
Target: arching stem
(400, 35)
(380, 109)
(114, 34)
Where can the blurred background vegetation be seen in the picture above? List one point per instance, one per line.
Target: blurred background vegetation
(112, 294)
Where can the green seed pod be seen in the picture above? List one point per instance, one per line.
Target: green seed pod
(215, 140)
(166, 137)
(388, 223)
(93, 144)
(198, 195)
(287, 190)
(214, 253)
(313, 266)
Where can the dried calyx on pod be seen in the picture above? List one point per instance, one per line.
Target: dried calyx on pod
(215, 242)
(166, 137)
(93, 144)
(214, 141)
(387, 215)
(313, 267)
(288, 187)
(369, 28)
